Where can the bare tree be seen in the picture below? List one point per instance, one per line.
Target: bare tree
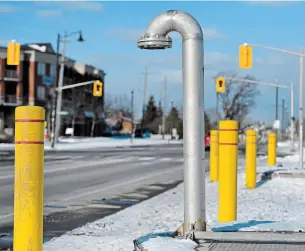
(115, 104)
(238, 98)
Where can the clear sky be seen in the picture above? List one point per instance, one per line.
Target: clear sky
(111, 30)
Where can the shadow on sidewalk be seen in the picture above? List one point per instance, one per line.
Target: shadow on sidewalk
(237, 226)
(266, 176)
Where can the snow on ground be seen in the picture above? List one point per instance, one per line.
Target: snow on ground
(289, 163)
(109, 142)
(170, 244)
(274, 205)
(86, 143)
(117, 232)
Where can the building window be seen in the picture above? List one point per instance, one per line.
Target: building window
(41, 93)
(52, 70)
(41, 69)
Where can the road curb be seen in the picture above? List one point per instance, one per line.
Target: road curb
(269, 175)
(6, 242)
(252, 237)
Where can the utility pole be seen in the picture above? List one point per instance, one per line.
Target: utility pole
(164, 108)
(292, 122)
(144, 96)
(59, 82)
(276, 102)
(301, 112)
(55, 93)
(131, 108)
(283, 119)
(172, 106)
(59, 93)
(217, 108)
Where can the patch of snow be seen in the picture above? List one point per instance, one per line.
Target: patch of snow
(170, 244)
(117, 231)
(6, 146)
(86, 143)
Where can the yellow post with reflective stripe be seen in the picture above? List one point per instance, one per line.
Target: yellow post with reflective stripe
(227, 183)
(214, 156)
(272, 149)
(251, 159)
(29, 171)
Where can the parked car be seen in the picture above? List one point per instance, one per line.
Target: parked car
(207, 142)
(142, 133)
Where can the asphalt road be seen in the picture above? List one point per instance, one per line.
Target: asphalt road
(82, 186)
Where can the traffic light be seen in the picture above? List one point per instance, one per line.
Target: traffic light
(245, 56)
(98, 89)
(220, 85)
(13, 53)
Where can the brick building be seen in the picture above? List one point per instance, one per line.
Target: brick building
(32, 83)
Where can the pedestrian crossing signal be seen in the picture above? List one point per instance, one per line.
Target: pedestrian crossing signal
(220, 85)
(98, 89)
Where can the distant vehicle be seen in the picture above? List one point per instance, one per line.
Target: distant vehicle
(139, 133)
(207, 141)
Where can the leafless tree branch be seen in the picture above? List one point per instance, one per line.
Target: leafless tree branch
(238, 98)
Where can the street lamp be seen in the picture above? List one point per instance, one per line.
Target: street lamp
(57, 98)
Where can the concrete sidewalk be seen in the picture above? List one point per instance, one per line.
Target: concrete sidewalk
(222, 246)
(256, 241)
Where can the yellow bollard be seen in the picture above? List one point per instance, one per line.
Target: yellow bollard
(29, 172)
(251, 159)
(227, 184)
(214, 156)
(272, 149)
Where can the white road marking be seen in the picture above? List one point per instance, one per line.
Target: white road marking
(116, 185)
(102, 206)
(80, 166)
(109, 160)
(154, 187)
(138, 195)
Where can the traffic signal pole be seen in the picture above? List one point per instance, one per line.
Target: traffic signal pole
(59, 90)
(300, 54)
(55, 94)
(301, 121)
(76, 85)
(59, 93)
(59, 79)
(164, 108)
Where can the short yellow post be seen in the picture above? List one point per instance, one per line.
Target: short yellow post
(29, 171)
(272, 149)
(227, 183)
(251, 159)
(214, 155)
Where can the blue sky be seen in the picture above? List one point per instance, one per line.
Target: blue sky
(111, 29)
